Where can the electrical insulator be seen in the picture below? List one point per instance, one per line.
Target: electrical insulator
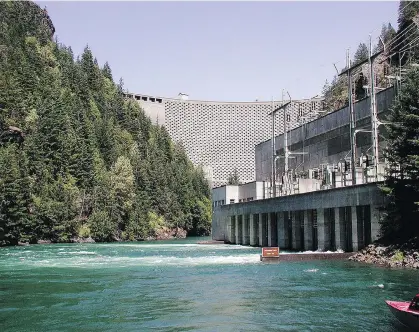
(347, 165)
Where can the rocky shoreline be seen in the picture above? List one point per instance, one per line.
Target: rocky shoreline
(161, 234)
(395, 255)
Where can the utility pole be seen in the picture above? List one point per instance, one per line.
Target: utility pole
(282, 106)
(374, 124)
(348, 71)
(351, 119)
(273, 182)
(286, 152)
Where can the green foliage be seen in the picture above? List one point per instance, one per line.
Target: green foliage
(83, 161)
(15, 200)
(398, 256)
(336, 93)
(102, 228)
(84, 231)
(407, 10)
(361, 54)
(402, 185)
(407, 38)
(387, 33)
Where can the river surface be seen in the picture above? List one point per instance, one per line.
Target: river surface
(183, 286)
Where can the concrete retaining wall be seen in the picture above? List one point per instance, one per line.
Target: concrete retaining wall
(344, 218)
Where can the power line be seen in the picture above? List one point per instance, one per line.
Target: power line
(391, 46)
(401, 33)
(407, 46)
(402, 9)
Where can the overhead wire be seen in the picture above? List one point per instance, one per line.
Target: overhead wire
(403, 40)
(404, 48)
(390, 44)
(401, 33)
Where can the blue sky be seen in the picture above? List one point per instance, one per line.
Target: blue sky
(229, 51)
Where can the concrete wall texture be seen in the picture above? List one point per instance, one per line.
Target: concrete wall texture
(231, 194)
(326, 139)
(222, 135)
(344, 218)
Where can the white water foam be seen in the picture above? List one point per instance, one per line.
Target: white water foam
(312, 252)
(181, 246)
(77, 253)
(108, 261)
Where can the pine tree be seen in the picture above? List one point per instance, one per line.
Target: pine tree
(361, 53)
(402, 153)
(83, 159)
(107, 72)
(407, 10)
(406, 48)
(15, 200)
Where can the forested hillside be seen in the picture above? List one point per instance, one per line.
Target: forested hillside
(76, 158)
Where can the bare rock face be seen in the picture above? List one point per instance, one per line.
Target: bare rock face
(395, 255)
(165, 233)
(82, 240)
(44, 242)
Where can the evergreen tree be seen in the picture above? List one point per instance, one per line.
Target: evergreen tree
(361, 53)
(336, 93)
(15, 200)
(402, 153)
(406, 47)
(407, 10)
(76, 157)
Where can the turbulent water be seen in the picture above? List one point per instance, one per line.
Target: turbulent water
(184, 286)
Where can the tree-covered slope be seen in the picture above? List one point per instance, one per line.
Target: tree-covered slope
(76, 158)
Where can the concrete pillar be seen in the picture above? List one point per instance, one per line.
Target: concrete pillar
(254, 238)
(340, 229)
(238, 231)
(246, 230)
(329, 221)
(269, 215)
(282, 230)
(239, 235)
(375, 222)
(233, 229)
(296, 236)
(322, 231)
(355, 229)
(227, 235)
(263, 232)
(288, 229)
(308, 230)
(274, 229)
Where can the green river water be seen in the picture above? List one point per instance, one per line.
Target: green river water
(183, 286)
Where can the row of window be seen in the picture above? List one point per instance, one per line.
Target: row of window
(146, 98)
(232, 201)
(246, 199)
(217, 203)
(241, 200)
